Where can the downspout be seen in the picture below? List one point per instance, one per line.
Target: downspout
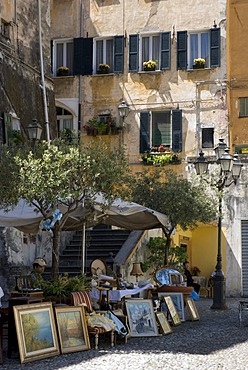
(80, 77)
(43, 86)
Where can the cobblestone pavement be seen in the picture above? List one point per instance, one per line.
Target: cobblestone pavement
(216, 342)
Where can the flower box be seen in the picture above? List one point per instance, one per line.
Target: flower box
(199, 66)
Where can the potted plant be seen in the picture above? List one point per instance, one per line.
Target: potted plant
(59, 289)
(103, 68)
(150, 65)
(160, 156)
(199, 63)
(63, 71)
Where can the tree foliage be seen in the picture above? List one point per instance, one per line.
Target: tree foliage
(49, 177)
(184, 202)
(156, 247)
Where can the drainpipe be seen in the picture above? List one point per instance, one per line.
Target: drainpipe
(80, 77)
(43, 86)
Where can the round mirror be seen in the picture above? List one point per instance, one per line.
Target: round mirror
(168, 276)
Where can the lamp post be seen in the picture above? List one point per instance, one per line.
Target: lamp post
(230, 170)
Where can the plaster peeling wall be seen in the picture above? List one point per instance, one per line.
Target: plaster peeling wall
(237, 211)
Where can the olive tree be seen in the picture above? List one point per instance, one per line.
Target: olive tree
(184, 202)
(56, 175)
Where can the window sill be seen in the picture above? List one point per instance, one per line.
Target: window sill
(198, 69)
(71, 76)
(104, 74)
(158, 71)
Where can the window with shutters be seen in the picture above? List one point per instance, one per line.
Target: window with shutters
(199, 47)
(63, 55)
(145, 48)
(243, 107)
(161, 128)
(108, 52)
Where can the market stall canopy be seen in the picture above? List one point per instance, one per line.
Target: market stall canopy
(127, 215)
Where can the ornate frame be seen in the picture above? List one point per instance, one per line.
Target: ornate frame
(36, 331)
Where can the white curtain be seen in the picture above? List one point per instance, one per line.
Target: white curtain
(193, 49)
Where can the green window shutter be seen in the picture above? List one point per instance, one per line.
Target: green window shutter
(177, 130)
(118, 54)
(133, 53)
(165, 50)
(215, 47)
(82, 59)
(182, 50)
(7, 128)
(144, 131)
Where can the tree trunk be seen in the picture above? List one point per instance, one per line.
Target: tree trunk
(167, 246)
(55, 252)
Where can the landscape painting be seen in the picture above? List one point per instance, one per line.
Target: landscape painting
(36, 333)
(72, 329)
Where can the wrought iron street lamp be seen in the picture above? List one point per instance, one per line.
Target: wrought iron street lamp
(230, 170)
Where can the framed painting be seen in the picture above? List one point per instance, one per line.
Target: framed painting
(141, 318)
(178, 301)
(36, 331)
(164, 323)
(72, 329)
(172, 310)
(190, 304)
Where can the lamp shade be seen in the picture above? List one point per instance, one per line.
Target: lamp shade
(34, 130)
(226, 162)
(136, 270)
(123, 109)
(201, 164)
(220, 149)
(237, 166)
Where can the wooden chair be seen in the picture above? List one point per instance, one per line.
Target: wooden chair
(83, 299)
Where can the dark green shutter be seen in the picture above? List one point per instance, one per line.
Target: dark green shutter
(133, 53)
(118, 54)
(165, 50)
(215, 47)
(51, 52)
(182, 50)
(177, 130)
(144, 131)
(7, 127)
(82, 59)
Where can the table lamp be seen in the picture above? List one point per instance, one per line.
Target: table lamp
(136, 271)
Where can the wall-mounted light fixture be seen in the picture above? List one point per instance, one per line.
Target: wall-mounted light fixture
(123, 110)
(34, 130)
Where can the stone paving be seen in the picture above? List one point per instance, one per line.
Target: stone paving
(216, 342)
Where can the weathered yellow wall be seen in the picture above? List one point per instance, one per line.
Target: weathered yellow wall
(237, 72)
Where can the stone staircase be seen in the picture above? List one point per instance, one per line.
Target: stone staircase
(99, 243)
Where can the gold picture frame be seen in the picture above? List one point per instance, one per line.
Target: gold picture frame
(164, 323)
(190, 304)
(172, 310)
(72, 329)
(36, 331)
